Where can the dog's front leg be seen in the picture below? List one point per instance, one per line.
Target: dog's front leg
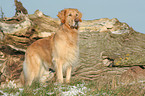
(59, 70)
(68, 74)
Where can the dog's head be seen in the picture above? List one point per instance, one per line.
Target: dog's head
(70, 17)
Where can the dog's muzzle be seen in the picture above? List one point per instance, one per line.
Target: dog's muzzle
(76, 24)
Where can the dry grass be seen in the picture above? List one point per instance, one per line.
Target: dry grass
(101, 87)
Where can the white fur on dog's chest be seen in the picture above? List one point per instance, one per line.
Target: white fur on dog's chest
(67, 51)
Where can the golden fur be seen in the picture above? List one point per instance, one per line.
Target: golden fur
(59, 51)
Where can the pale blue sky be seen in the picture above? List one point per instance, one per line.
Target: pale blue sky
(130, 11)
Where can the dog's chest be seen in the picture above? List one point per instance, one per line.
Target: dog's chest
(66, 48)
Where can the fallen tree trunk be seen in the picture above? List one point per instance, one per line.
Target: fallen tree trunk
(97, 49)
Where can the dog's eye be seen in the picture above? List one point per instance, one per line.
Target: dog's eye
(70, 15)
(76, 14)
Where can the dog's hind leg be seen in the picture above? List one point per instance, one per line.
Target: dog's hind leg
(31, 68)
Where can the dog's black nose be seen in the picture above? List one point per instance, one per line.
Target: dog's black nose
(51, 70)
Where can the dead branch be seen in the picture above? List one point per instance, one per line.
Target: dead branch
(20, 8)
(16, 48)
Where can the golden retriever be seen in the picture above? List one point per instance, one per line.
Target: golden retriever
(59, 51)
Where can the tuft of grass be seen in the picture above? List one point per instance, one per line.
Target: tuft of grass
(101, 87)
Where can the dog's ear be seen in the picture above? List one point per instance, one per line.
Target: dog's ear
(79, 16)
(61, 15)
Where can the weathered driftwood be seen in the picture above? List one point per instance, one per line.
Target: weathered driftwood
(133, 75)
(16, 25)
(125, 49)
(17, 37)
(20, 8)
